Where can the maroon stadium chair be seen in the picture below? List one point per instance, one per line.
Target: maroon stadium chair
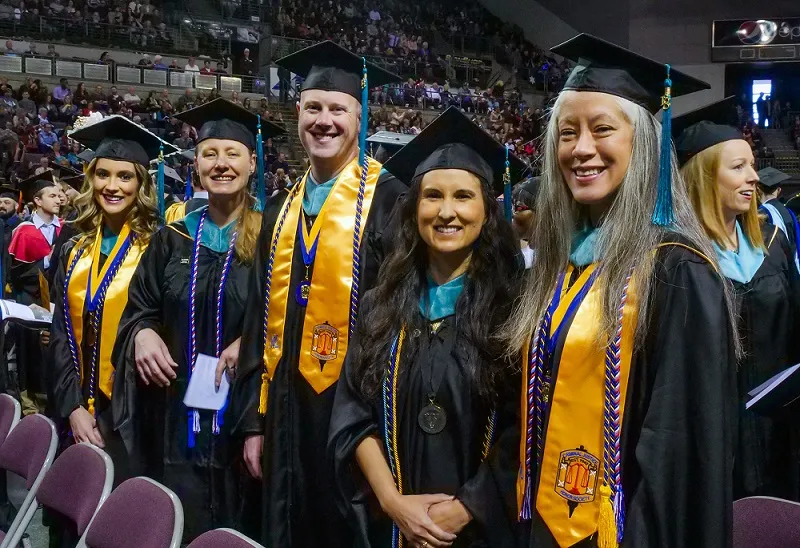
(223, 537)
(28, 451)
(140, 513)
(10, 412)
(77, 484)
(765, 521)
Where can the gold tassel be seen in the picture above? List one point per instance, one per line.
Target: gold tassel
(262, 400)
(606, 524)
(91, 406)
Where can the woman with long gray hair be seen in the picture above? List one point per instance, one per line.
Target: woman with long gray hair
(625, 326)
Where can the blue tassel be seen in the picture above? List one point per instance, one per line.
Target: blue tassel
(362, 136)
(188, 191)
(662, 213)
(507, 209)
(190, 436)
(619, 512)
(160, 181)
(261, 189)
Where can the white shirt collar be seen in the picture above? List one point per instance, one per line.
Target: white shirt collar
(38, 222)
(201, 194)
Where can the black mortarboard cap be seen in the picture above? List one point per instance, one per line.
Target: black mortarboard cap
(607, 68)
(62, 171)
(222, 119)
(169, 173)
(30, 186)
(75, 181)
(330, 67)
(771, 177)
(527, 192)
(452, 141)
(87, 155)
(704, 127)
(118, 138)
(7, 191)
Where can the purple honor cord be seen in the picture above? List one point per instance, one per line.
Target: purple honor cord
(194, 415)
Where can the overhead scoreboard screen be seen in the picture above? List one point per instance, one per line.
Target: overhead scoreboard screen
(756, 40)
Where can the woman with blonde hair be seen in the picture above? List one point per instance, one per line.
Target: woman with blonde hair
(719, 169)
(185, 312)
(117, 217)
(625, 326)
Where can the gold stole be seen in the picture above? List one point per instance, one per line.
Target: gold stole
(114, 305)
(175, 212)
(324, 340)
(571, 471)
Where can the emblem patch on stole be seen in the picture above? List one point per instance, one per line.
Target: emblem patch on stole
(325, 342)
(273, 342)
(576, 480)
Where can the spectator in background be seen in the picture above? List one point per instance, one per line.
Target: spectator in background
(46, 112)
(10, 49)
(145, 61)
(247, 68)
(115, 101)
(280, 163)
(58, 157)
(104, 59)
(47, 138)
(174, 65)
(32, 49)
(220, 68)
(68, 110)
(158, 63)
(185, 141)
(206, 67)
(191, 65)
(27, 104)
(44, 165)
(51, 51)
(72, 155)
(186, 101)
(131, 98)
(8, 100)
(60, 92)
(81, 97)
(99, 95)
(235, 98)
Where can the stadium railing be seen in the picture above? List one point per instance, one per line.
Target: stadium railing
(130, 75)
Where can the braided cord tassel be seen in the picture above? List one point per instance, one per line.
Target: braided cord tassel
(261, 189)
(488, 438)
(507, 206)
(73, 346)
(160, 181)
(662, 213)
(390, 423)
(362, 134)
(612, 499)
(217, 421)
(193, 415)
(262, 399)
(354, 288)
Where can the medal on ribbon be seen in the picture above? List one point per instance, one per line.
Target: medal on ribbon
(309, 252)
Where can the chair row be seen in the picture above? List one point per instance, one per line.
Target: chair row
(77, 486)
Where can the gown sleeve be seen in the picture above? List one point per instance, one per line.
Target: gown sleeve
(143, 311)
(490, 494)
(352, 420)
(65, 385)
(243, 410)
(793, 352)
(678, 462)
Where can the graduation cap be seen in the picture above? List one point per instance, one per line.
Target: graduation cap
(608, 68)
(222, 119)
(75, 181)
(604, 67)
(771, 177)
(526, 194)
(8, 191)
(32, 185)
(327, 66)
(452, 141)
(169, 173)
(704, 127)
(62, 171)
(118, 138)
(86, 156)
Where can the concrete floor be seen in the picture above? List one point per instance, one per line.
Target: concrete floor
(37, 534)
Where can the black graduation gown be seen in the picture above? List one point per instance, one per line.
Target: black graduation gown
(679, 420)
(204, 477)
(68, 230)
(298, 508)
(788, 221)
(767, 448)
(449, 462)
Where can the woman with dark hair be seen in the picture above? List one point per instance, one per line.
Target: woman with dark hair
(117, 216)
(81, 97)
(421, 431)
(184, 312)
